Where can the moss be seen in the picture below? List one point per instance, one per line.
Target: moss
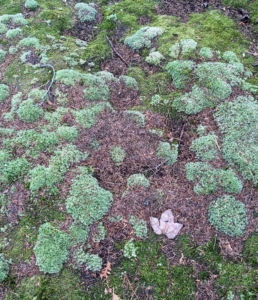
(4, 267)
(85, 12)
(167, 152)
(139, 227)
(13, 33)
(180, 72)
(250, 252)
(31, 4)
(136, 116)
(2, 55)
(65, 285)
(117, 154)
(85, 196)
(4, 92)
(138, 179)
(228, 215)
(29, 112)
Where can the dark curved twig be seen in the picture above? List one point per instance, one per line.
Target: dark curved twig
(114, 49)
(51, 82)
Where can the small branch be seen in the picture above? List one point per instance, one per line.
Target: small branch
(48, 93)
(113, 48)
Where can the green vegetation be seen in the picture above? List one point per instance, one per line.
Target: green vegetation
(206, 147)
(168, 152)
(250, 253)
(136, 116)
(228, 215)
(210, 178)
(67, 133)
(138, 180)
(117, 154)
(78, 233)
(2, 55)
(154, 58)
(13, 33)
(31, 4)
(85, 12)
(87, 202)
(51, 249)
(28, 111)
(4, 92)
(143, 37)
(92, 261)
(4, 267)
(180, 72)
(100, 234)
(139, 227)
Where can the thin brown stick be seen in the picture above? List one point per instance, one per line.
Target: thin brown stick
(114, 49)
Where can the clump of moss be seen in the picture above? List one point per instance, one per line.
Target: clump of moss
(4, 267)
(96, 88)
(13, 33)
(88, 117)
(4, 92)
(167, 152)
(210, 178)
(250, 253)
(129, 250)
(2, 55)
(228, 215)
(51, 249)
(206, 147)
(154, 58)
(142, 38)
(29, 112)
(30, 42)
(238, 122)
(85, 12)
(117, 154)
(92, 261)
(67, 133)
(129, 81)
(16, 19)
(78, 233)
(68, 76)
(180, 71)
(206, 52)
(85, 195)
(138, 180)
(139, 226)
(31, 4)
(100, 234)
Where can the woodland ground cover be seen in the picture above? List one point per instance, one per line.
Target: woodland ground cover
(112, 113)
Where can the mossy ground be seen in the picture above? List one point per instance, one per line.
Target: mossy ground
(151, 273)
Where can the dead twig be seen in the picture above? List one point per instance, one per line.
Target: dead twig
(48, 92)
(114, 49)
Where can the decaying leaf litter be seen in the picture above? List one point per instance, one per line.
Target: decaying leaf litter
(112, 129)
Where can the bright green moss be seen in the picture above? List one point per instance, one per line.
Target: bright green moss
(56, 117)
(2, 55)
(29, 112)
(228, 215)
(210, 178)
(87, 202)
(139, 227)
(68, 76)
(180, 71)
(4, 92)
(78, 233)
(85, 12)
(138, 180)
(92, 261)
(51, 248)
(143, 37)
(238, 122)
(117, 154)
(167, 152)
(67, 133)
(88, 117)
(14, 170)
(31, 4)
(154, 58)
(206, 147)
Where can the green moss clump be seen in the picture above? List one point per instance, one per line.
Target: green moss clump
(85, 12)
(154, 58)
(17, 19)
(66, 284)
(228, 215)
(68, 76)
(206, 147)
(30, 42)
(210, 178)
(78, 233)
(167, 152)
(13, 33)
(238, 122)
(129, 81)
(51, 248)
(87, 201)
(100, 234)
(142, 38)
(250, 253)
(88, 117)
(4, 267)
(4, 92)
(206, 52)
(92, 261)
(29, 112)
(31, 4)
(96, 88)
(180, 71)
(2, 55)
(117, 154)
(15, 170)
(67, 133)
(139, 226)
(138, 180)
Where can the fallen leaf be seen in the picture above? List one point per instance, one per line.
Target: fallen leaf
(106, 271)
(166, 225)
(114, 296)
